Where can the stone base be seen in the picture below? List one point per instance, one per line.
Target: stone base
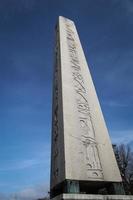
(92, 197)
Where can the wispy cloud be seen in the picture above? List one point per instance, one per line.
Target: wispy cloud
(34, 192)
(29, 193)
(22, 164)
(122, 136)
(115, 104)
(3, 197)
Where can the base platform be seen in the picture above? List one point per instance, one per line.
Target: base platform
(92, 197)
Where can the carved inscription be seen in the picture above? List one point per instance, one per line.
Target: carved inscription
(92, 161)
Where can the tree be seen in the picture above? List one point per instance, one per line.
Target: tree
(124, 157)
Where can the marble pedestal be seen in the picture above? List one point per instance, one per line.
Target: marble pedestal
(92, 197)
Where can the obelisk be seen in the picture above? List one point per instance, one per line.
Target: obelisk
(82, 158)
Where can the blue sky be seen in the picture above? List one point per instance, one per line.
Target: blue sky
(26, 66)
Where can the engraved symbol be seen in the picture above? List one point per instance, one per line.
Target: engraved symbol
(95, 173)
(92, 160)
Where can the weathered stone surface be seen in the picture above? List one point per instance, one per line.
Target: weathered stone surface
(92, 197)
(81, 147)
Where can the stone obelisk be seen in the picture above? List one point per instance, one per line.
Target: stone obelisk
(82, 158)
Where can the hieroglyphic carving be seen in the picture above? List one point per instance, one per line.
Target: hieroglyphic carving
(93, 164)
